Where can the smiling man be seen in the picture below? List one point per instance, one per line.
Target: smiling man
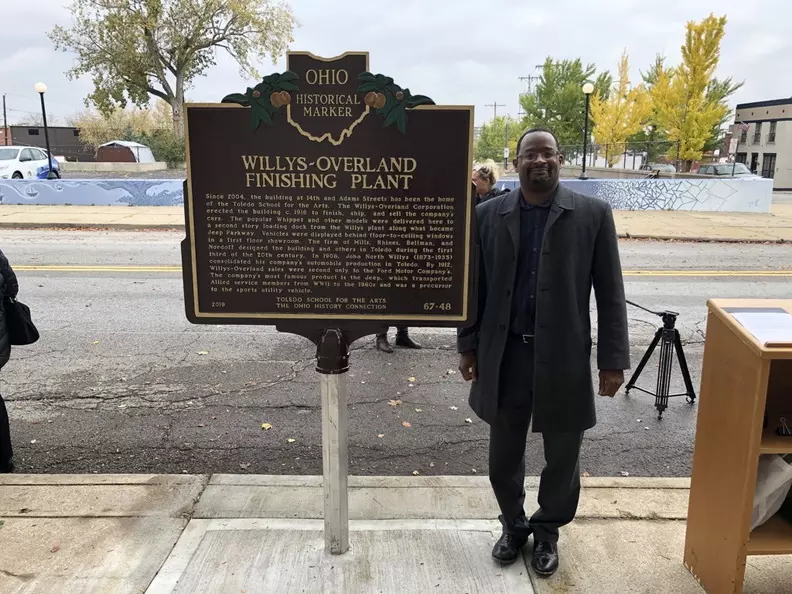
(542, 248)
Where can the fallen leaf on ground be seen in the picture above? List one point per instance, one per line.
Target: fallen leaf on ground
(266, 426)
(418, 410)
(394, 402)
(416, 473)
(33, 440)
(454, 407)
(381, 435)
(244, 465)
(586, 474)
(431, 464)
(291, 440)
(410, 379)
(624, 473)
(95, 342)
(406, 424)
(55, 549)
(203, 352)
(468, 420)
(450, 372)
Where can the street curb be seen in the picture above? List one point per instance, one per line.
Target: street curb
(168, 227)
(280, 480)
(697, 239)
(84, 227)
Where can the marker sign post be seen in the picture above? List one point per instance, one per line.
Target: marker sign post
(332, 203)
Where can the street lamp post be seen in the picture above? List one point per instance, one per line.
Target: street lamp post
(588, 89)
(41, 88)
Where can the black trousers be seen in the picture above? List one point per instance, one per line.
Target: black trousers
(559, 486)
(398, 329)
(6, 452)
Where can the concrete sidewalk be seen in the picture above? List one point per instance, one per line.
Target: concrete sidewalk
(247, 533)
(673, 225)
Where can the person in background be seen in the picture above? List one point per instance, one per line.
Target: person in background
(484, 179)
(8, 288)
(402, 340)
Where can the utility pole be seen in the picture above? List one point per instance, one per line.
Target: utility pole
(506, 148)
(5, 122)
(495, 105)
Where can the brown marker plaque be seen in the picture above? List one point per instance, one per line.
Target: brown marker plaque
(344, 204)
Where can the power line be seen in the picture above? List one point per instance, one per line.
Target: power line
(495, 105)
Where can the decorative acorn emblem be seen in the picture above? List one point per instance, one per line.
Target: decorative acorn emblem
(375, 100)
(399, 95)
(256, 94)
(280, 98)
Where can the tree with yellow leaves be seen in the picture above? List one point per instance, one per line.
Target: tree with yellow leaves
(683, 107)
(622, 114)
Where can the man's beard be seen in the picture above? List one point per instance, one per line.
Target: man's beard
(542, 179)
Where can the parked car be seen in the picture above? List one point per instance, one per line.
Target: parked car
(26, 162)
(728, 170)
(661, 167)
(507, 183)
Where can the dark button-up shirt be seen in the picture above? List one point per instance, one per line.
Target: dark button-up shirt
(532, 226)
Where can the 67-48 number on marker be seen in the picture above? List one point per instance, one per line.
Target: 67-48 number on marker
(440, 306)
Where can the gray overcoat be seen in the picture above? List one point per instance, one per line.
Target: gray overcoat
(579, 250)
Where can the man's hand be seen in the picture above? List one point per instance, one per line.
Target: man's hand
(610, 382)
(468, 366)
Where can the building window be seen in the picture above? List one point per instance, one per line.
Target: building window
(744, 136)
(757, 139)
(768, 165)
(742, 158)
(772, 133)
(33, 132)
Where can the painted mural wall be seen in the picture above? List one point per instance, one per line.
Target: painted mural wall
(727, 195)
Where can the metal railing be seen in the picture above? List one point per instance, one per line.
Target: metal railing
(625, 155)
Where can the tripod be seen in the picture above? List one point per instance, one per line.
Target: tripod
(668, 337)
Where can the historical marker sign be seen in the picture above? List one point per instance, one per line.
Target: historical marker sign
(329, 193)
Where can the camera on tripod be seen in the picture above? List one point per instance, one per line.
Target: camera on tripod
(667, 336)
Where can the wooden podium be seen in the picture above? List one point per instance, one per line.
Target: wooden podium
(741, 381)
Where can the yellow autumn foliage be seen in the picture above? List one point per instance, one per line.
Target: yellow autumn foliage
(622, 114)
(679, 96)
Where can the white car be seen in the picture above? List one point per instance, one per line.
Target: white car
(25, 162)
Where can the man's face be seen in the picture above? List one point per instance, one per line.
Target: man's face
(482, 186)
(538, 162)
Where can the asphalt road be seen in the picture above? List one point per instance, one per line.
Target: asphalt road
(121, 382)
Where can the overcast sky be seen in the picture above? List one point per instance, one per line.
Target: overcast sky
(455, 51)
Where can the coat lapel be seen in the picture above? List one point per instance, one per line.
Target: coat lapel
(564, 200)
(509, 210)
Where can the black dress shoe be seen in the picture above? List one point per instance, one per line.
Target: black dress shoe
(508, 547)
(545, 558)
(383, 344)
(9, 467)
(403, 340)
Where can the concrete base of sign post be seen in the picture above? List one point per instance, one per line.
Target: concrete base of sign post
(335, 427)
